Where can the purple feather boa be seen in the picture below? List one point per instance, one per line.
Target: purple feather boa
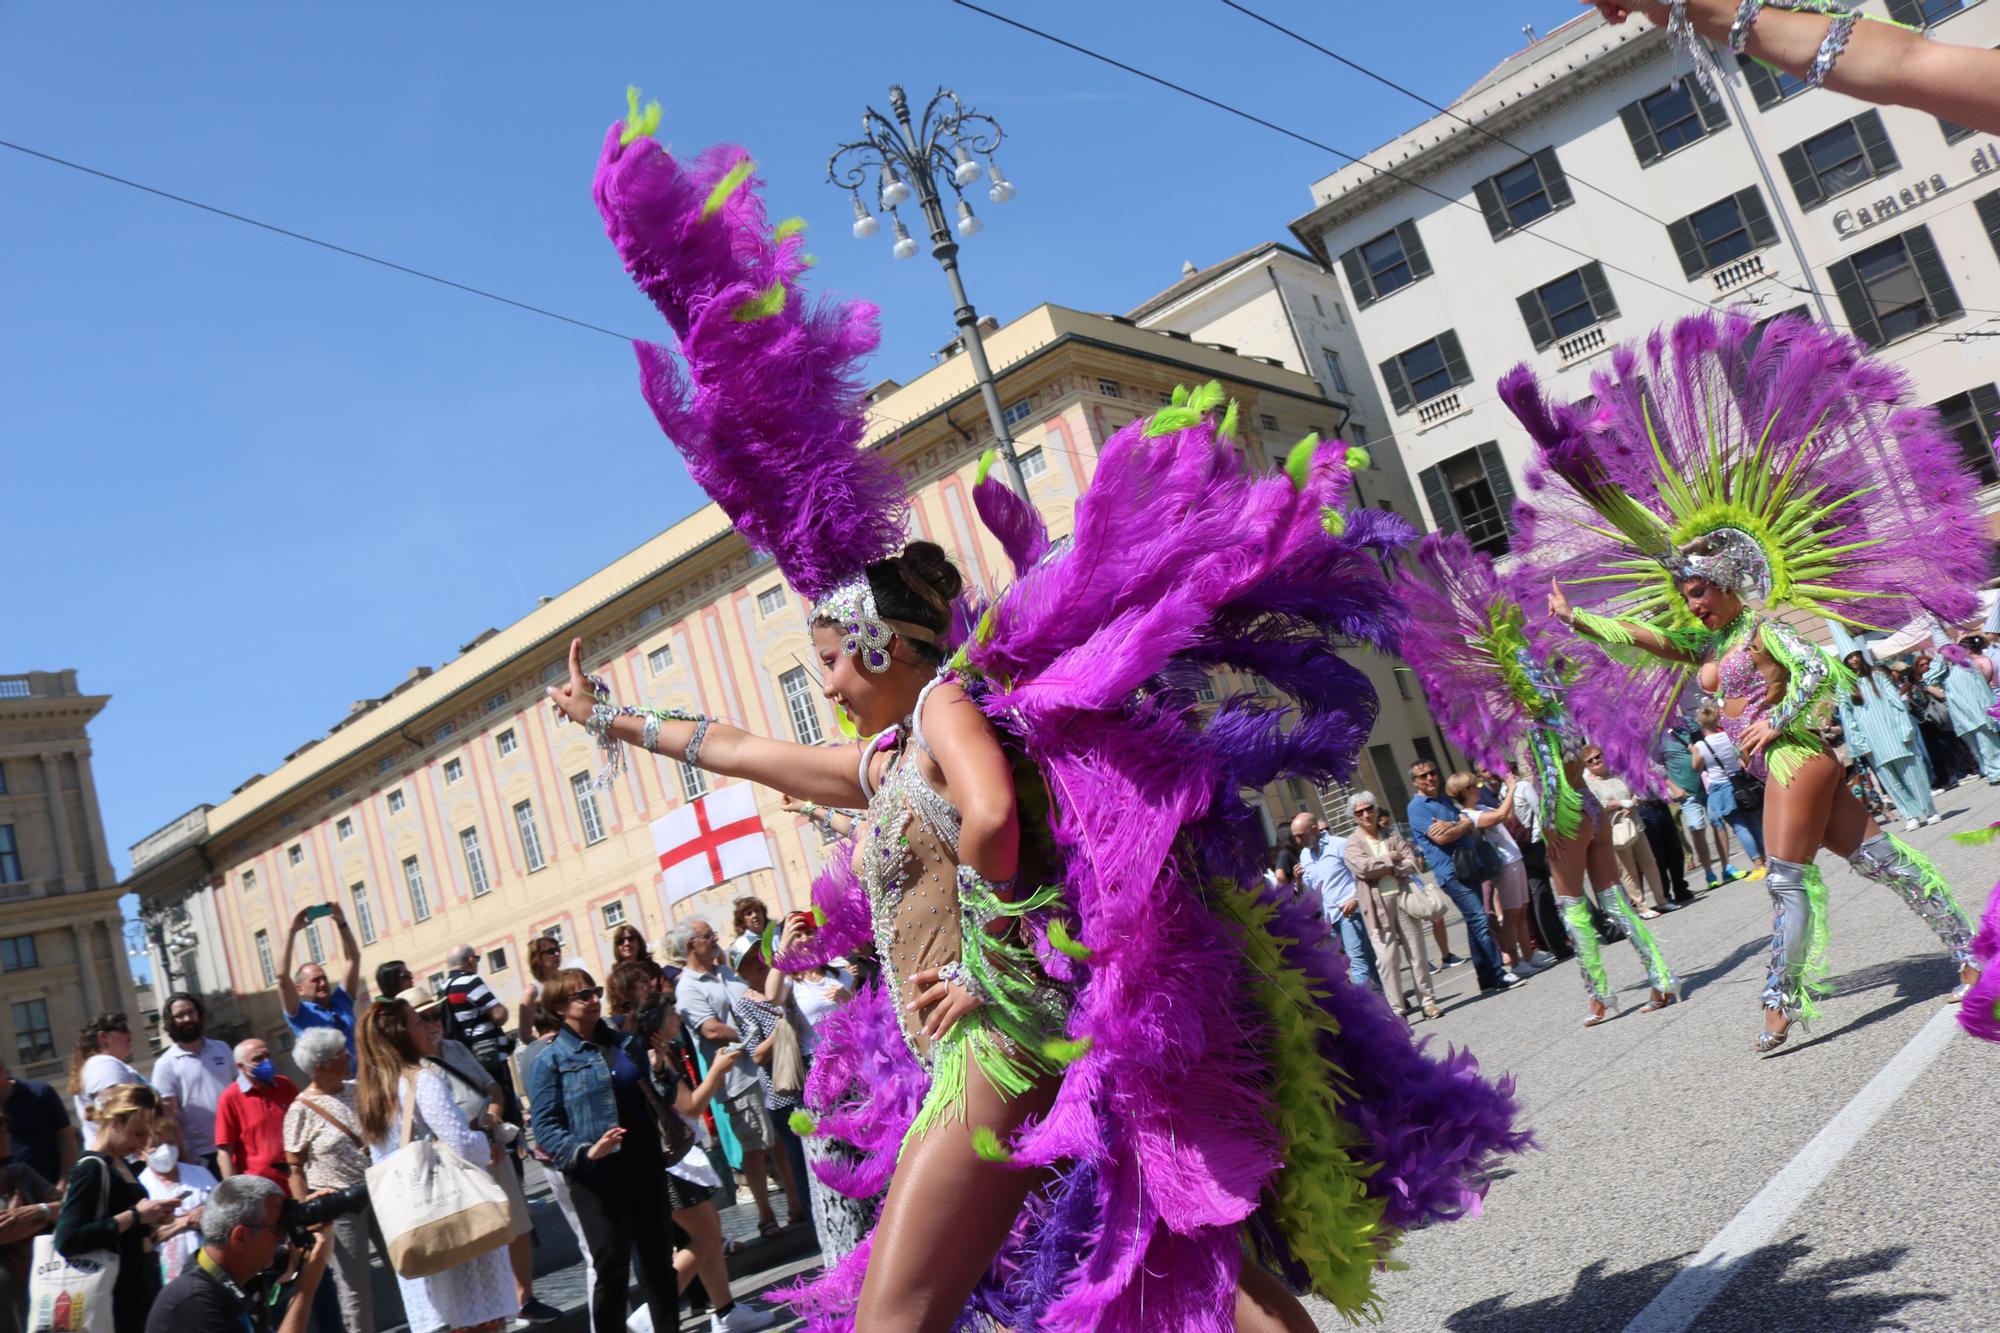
(1979, 1011)
(845, 925)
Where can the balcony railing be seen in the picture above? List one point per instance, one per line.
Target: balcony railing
(1437, 409)
(1579, 346)
(1738, 273)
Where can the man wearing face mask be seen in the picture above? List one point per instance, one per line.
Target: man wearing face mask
(191, 1074)
(250, 1116)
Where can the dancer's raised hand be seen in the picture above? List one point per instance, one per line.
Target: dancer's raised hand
(575, 698)
(1559, 606)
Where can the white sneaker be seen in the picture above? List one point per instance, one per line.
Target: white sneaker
(1910, 826)
(1541, 960)
(742, 1319)
(1510, 976)
(1524, 967)
(1932, 820)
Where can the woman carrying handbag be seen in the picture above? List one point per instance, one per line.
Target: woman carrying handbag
(107, 1217)
(401, 1099)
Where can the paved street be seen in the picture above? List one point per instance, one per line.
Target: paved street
(1658, 1130)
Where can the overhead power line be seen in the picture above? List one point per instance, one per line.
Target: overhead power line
(287, 232)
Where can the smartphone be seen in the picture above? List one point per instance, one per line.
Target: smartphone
(319, 911)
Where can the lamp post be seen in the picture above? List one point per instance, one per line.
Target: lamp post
(906, 161)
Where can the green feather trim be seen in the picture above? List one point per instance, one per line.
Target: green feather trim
(988, 1146)
(1978, 837)
(1319, 1201)
(1180, 395)
(727, 186)
(986, 461)
(1589, 951)
(1299, 461)
(802, 1123)
(1227, 430)
(769, 302)
(1645, 942)
(769, 941)
(1358, 459)
(787, 229)
(638, 124)
(1813, 985)
(1064, 1052)
(1170, 419)
(818, 915)
(1332, 522)
(1062, 940)
(1935, 885)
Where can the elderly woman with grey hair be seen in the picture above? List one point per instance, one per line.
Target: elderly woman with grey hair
(1385, 867)
(325, 1150)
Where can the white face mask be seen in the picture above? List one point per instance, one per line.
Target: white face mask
(163, 1157)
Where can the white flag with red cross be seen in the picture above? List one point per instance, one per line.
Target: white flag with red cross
(710, 841)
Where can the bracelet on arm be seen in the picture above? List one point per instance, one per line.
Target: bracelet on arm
(1739, 30)
(1830, 48)
(603, 713)
(692, 755)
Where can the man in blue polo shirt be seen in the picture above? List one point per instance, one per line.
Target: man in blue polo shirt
(310, 998)
(1435, 824)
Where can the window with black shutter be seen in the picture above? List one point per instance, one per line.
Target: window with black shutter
(1896, 288)
(1569, 305)
(1837, 160)
(1671, 119)
(1471, 493)
(1769, 86)
(1954, 132)
(1973, 418)
(1390, 262)
(1528, 190)
(1988, 206)
(1429, 370)
(1727, 229)
(1923, 13)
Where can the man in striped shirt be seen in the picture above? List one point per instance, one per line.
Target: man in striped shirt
(477, 1017)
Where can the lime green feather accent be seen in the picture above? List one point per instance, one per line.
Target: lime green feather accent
(1332, 522)
(787, 229)
(1935, 885)
(1064, 1052)
(769, 940)
(1358, 459)
(988, 1146)
(1063, 941)
(1207, 398)
(1319, 1202)
(1813, 985)
(986, 461)
(802, 1123)
(1187, 410)
(1978, 837)
(845, 724)
(769, 302)
(1299, 460)
(731, 182)
(1643, 940)
(638, 124)
(1227, 430)
(818, 915)
(1180, 395)
(1589, 952)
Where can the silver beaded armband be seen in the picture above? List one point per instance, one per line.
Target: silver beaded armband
(1739, 30)
(1830, 49)
(649, 735)
(692, 755)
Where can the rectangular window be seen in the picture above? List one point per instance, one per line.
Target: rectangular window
(1015, 413)
(436, 982)
(1973, 418)
(1429, 370)
(694, 781)
(454, 769)
(397, 802)
(343, 828)
(1472, 494)
(336, 791)
(1953, 131)
(1389, 263)
(1837, 160)
(1528, 190)
(285, 820)
(420, 898)
(1923, 13)
(651, 614)
(295, 854)
(1336, 376)
(1770, 86)
(10, 856)
(531, 836)
(249, 881)
(315, 950)
(444, 732)
(1267, 422)
(18, 952)
(797, 688)
(586, 808)
(1892, 290)
(771, 601)
(1034, 463)
(497, 702)
(1204, 693)
(1726, 230)
(507, 742)
(558, 933)
(385, 763)
(3, 778)
(614, 914)
(659, 660)
(475, 861)
(1402, 675)
(34, 1036)
(264, 962)
(1110, 389)
(1671, 119)
(496, 959)
(364, 911)
(1569, 305)
(1394, 790)
(554, 672)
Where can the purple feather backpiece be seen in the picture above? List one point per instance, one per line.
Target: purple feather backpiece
(764, 399)
(1979, 1011)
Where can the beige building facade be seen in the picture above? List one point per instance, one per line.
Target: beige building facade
(62, 949)
(455, 809)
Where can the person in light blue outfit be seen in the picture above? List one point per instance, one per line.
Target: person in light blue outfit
(1323, 869)
(1970, 701)
(1881, 734)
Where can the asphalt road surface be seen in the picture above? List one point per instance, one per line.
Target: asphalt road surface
(1847, 1182)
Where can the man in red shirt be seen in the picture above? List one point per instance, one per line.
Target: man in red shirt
(250, 1116)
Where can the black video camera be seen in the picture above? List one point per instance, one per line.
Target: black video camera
(300, 1216)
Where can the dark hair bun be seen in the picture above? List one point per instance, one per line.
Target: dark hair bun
(918, 586)
(927, 563)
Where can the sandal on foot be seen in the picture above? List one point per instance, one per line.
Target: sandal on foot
(1599, 1013)
(769, 1227)
(1431, 1009)
(1768, 1041)
(1659, 1001)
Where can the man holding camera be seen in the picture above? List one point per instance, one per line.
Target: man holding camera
(309, 997)
(228, 1287)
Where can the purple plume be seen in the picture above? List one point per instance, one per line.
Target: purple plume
(1015, 523)
(1979, 1011)
(764, 400)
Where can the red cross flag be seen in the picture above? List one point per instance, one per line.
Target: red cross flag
(710, 841)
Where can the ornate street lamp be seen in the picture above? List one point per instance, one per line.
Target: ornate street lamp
(907, 162)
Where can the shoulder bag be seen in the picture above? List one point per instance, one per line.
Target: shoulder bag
(73, 1295)
(676, 1135)
(436, 1209)
(788, 1056)
(1425, 902)
(312, 1104)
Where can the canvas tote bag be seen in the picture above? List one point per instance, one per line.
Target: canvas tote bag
(436, 1209)
(72, 1295)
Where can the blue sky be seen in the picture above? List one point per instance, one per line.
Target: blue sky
(248, 482)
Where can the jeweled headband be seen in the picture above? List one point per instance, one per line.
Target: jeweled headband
(863, 630)
(1727, 557)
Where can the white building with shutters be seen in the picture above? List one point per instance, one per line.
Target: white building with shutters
(1580, 195)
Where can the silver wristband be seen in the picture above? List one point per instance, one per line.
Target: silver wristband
(1739, 30)
(1830, 49)
(692, 755)
(649, 736)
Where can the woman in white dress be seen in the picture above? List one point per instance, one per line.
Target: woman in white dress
(476, 1296)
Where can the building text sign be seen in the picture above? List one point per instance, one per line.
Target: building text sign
(1853, 221)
